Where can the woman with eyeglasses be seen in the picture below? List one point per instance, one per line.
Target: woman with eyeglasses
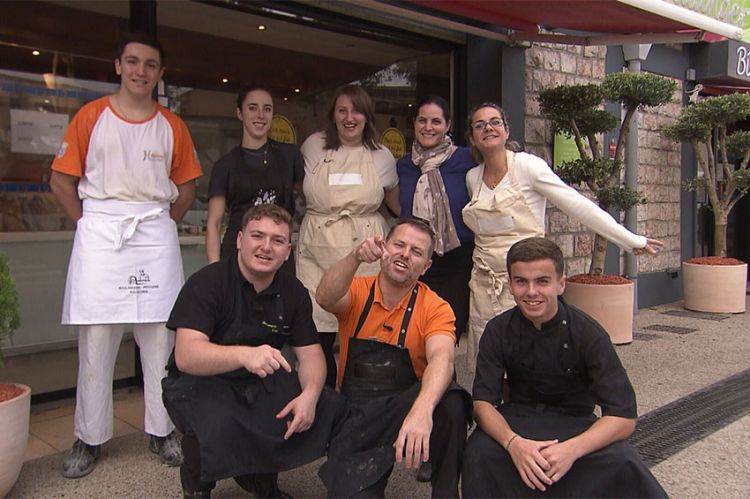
(432, 181)
(349, 177)
(259, 170)
(509, 192)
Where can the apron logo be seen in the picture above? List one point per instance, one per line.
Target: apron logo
(139, 283)
(141, 278)
(152, 155)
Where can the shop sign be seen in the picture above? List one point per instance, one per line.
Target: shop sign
(720, 60)
(282, 130)
(733, 12)
(564, 149)
(36, 132)
(394, 140)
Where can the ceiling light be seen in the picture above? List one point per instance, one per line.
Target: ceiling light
(35, 52)
(296, 90)
(261, 27)
(286, 99)
(224, 80)
(409, 105)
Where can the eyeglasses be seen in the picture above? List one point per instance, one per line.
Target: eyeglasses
(482, 124)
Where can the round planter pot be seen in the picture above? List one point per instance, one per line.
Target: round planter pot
(14, 421)
(610, 304)
(714, 288)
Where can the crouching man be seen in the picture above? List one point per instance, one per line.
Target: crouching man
(397, 357)
(244, 410)
(545, 441)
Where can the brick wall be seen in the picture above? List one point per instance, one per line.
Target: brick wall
(549, 65)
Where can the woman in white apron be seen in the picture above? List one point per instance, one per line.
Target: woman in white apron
(509, 192)
(348, 176)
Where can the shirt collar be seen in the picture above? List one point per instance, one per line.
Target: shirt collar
(379, 295)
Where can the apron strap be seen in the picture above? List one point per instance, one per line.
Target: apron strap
(404, 323)
(407, 316)
(366, 310)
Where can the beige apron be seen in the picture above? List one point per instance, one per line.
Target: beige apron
(342, 202)
(497, 222)
(125, 267)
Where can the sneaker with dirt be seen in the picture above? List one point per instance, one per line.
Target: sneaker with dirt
(168, 448)
(80, 461)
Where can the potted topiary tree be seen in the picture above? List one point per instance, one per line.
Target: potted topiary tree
(576, 110)
(14, 398)
(717, 283)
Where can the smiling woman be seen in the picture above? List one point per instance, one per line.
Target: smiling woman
(259, 170)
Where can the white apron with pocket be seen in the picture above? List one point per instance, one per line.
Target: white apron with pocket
(343, 198)
(125, 266)
(498, 222)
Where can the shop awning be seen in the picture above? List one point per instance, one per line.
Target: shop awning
(580, 22)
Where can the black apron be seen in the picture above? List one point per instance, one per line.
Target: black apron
(233, 415)
(380, 382)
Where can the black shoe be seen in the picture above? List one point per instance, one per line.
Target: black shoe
(262, 486)
(424, 473)
(168, 448)
(80, 461)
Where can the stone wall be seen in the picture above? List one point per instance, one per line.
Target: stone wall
(549, 65)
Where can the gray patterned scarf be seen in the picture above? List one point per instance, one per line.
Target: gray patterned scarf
(430, 199)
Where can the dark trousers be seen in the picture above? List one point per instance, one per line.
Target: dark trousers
(447, 442)
(264, 485)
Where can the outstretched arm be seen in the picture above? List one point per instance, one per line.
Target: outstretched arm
(333, 290)
(413, 441)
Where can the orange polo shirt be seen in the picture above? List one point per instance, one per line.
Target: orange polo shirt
(432, 316)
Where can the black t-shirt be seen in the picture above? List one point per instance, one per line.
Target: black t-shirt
(217, 296)
(510, 342)
(248, 177)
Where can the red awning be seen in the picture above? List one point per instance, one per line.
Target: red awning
(655, 18)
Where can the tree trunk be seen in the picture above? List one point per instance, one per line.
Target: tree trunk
(720, 232)
(598, 255)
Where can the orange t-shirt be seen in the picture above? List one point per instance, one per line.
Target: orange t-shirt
(127, 160)
(431, 316)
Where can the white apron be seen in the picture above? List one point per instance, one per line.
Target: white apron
(125, 266)
(498, 223)
(342, 203)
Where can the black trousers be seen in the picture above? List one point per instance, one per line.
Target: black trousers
(447, 443)
(613, 471)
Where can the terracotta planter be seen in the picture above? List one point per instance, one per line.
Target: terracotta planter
(714, 288)
(610, 304)
(14, 421)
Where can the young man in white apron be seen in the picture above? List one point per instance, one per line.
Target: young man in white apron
(125, 173)
(397, 357)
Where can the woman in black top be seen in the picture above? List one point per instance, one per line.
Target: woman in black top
(259, 170)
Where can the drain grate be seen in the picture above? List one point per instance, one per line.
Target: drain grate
(697, 315)
(637, 335)
(677, 425)
(670, 329)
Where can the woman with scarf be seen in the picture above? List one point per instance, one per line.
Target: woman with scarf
(433, 188)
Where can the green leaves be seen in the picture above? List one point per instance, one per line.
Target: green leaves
(696, 121)
(9, 317)
(638, 90)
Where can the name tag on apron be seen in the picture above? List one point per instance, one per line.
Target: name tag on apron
(495, 224)
(344, 179)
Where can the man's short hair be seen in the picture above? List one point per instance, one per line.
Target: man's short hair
(268, 210)
(143, 39)
(420, 225)
(534, 249)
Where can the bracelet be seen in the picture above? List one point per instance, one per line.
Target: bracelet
(510, 441)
